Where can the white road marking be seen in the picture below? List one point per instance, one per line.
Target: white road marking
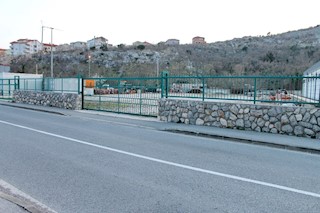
(116, 122)
(238, 178)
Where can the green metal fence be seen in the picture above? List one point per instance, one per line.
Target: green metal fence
(292, 90)
(63, 85)
(140, 95)
(7, 86)
(60, 85)
(137, 96)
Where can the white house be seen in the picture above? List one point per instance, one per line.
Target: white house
(78, 45)
(97, 42)
(311, 86)
(63, 47)
(172, 42)
(25, 46)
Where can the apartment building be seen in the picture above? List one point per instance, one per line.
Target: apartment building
(25, 46)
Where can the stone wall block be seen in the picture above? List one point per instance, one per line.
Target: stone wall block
(284, 119)
(306, 117)
(298, 130)
(313, 120)
(234, 109)
(287, 128)
(297, 121)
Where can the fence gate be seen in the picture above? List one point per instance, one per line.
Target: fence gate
(138, 96)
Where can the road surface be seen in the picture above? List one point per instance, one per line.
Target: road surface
(91, 163)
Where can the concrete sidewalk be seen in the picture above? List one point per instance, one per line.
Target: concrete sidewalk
(268, 139)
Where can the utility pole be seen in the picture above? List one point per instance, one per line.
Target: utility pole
(157, 67)
(89, 61)
(51, 53)
(157, 61)
(51, 46)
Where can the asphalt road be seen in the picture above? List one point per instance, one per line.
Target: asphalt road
(91, 163)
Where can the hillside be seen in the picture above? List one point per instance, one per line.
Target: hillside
(289, 53)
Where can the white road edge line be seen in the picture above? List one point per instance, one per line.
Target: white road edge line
(312, 194)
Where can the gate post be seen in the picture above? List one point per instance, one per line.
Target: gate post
(164, 84)
(82, 94)
(255, 90)
(16, 82)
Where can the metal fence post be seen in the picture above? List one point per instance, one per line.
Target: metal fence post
(140, 97)
(255, 90)
(203, 90)
(82, 93)
(61, 85)
(164, 84)
(79, 84)
(16, 82)
(118, 96)
(161, 85)
(9, 87)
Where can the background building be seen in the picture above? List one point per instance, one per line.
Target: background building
(25, 46)
(4, 68)
(311, 86)
(97, 42)
(198, 40)
(63, 47)
(47, 47)
(172, 42)
(78, 45)
(3, 52)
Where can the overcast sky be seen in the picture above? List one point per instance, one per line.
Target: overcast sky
(127, 21)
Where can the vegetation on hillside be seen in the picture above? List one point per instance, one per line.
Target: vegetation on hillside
(289, 53)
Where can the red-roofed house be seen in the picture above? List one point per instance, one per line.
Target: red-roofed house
(47, 47)
(198, 40)
(3, 52)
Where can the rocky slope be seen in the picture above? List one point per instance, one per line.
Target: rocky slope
(289, 53)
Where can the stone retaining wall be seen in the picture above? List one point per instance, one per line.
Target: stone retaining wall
(60, 100)
(296, 121)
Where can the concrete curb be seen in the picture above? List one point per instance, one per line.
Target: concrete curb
(15, 196)
(31, 108)
(292, 147)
